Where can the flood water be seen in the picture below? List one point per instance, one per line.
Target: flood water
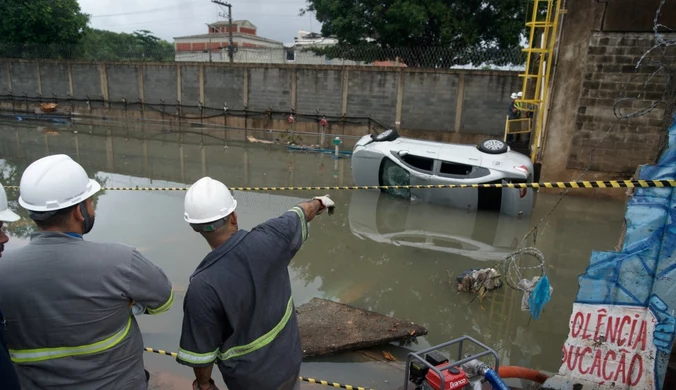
(375, 252)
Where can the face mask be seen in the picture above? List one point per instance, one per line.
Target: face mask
(88, 221)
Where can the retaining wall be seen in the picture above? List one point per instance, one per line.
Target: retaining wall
(595, 80)
(446, 105)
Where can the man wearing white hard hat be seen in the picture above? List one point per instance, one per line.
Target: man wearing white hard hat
(68, 301)
(238, 312)
(8, 377)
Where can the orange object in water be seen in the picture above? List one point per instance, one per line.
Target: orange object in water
(522, 373)
(48, 107)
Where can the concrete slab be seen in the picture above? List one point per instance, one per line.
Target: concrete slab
(328, 327)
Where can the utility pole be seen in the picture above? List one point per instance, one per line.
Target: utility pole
(231, 46)
(209, 48)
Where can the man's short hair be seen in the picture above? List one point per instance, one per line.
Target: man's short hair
(52, 219)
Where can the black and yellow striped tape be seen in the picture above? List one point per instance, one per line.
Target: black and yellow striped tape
(332, 384)
(310, 380)
(161, 352)
(568, 184)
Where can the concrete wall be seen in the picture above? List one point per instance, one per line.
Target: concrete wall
(610, 75)
(446, 105)
(592, 71)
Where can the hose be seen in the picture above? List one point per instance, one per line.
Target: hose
(522, 373)
(495, 380)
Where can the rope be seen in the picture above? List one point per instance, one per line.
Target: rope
(304, 379)
(571, 184)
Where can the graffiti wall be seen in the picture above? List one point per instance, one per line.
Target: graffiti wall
(622, 324)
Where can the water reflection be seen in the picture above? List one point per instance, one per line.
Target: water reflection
(376, 252)
(477, 235)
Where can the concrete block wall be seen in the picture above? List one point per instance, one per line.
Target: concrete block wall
(445, 105)
(591, 70)
(486, 103)
(422, 110)
(611, 75)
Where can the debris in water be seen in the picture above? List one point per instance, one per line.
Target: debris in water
(318, 319)
(540, 294)
(389, 356)
(479, 281)
(48, 107)
(48, 130)
(260, 141)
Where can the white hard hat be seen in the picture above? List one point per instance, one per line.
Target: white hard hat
(6, 215)
(514, 95)
(519, 94)
(208, 200)
(54, 183)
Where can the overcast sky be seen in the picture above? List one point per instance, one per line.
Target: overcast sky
(275, 19)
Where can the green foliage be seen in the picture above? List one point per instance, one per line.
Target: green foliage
(58, 29)
(48, 23)
(429, 33)
(42, 21)
(141, 45)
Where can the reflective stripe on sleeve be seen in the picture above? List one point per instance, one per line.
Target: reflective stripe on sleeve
(303, 221)
(167, 305)
(196, 358)
(41, 354)
(261, 341)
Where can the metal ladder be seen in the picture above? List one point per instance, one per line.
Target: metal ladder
(544, 17)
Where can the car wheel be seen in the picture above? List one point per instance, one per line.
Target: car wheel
(493, 146)
(387, 135)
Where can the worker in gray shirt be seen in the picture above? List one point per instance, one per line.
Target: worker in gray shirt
(69, 302)
(238, 311)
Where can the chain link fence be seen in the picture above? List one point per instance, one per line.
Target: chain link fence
(363, 55)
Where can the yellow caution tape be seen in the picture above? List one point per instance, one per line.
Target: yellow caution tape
(568, 184)
(310, 380)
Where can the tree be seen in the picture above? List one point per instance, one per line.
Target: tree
(427, 33)
(102, 45)
(40, 25)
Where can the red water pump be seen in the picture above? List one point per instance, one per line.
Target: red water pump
(425, 378)
(454, 379)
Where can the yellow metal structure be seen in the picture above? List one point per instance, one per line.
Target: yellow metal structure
(535, 91)
(517, 126)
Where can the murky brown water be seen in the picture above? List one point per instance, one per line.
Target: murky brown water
(375, 252)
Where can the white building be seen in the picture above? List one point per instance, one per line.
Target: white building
(251, 48)
(213, 46)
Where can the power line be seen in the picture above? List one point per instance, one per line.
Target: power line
(170, 20)
(152, 10)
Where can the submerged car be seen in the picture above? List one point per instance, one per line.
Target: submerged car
(387, 159)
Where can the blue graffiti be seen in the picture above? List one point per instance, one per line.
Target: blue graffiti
(666, 325)
(643, 274)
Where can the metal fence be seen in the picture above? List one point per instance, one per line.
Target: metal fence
(371, 55)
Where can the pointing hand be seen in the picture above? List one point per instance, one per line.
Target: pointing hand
(326, 203)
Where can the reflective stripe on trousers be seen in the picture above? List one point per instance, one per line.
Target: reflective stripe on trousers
(41, 354)
(197, 358)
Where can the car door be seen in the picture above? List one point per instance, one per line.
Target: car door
(448, 172)
(420, 169)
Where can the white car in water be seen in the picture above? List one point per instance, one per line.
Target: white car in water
(388, 159)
